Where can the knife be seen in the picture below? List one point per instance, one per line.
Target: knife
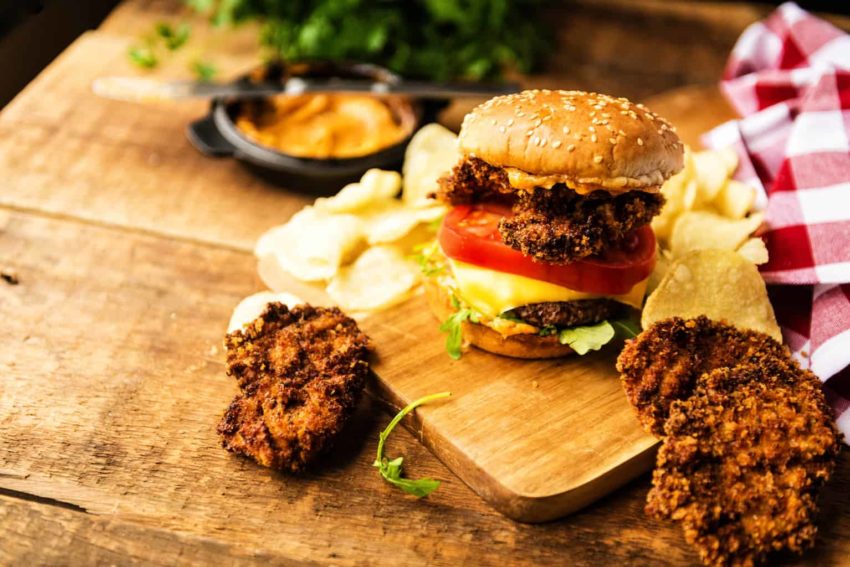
(142, 89)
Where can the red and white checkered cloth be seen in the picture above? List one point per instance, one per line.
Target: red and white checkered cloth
(789, 78)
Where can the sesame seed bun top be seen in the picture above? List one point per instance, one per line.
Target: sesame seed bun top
(585, 140)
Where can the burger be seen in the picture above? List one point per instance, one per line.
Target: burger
(547, 247)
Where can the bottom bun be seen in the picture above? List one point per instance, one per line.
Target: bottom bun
(517, 346)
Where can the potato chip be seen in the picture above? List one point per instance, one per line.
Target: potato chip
(754, 250)
(313, 244)
(735, 199)
(701, 230)
(690, 195)
(375, 187)
(712, 172)
(679, 193)
(432, 153)
(662, 265)
(379, 278)
(662, 224)
(730, 159)
(395, 221)
(720, 284)
(253, 306)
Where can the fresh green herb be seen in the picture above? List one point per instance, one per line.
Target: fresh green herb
(510, 316)
(204, 70)
(626, 328)
(587, 338)
(201, 5)
(143, 56)
(429, 258)
(173, 37)
(433, 39)
(547, 330)
(454, 327)
(391, 469)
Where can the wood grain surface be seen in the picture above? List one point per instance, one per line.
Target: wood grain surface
(130, 251)
(529, 464)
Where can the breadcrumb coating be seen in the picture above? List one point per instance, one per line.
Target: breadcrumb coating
(661, 364)
(743, 459)
(301, 372)
(554, 225)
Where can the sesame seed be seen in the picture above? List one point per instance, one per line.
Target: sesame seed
(597, 159)
(529, 133)
(593, 138)
(543, 142)
(493, 122)
(510, 122)
(591, 128)
(502, 129)
(571, 147)
(640, 141)
(621, 133)
(556, 144)
(566, 129)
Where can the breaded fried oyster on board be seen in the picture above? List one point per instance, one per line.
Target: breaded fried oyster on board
(663, 363)
(743, 460)
(301, 372)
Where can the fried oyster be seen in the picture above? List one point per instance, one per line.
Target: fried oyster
(663, 363)
(554, 225)
(742, 462)
(301, 372)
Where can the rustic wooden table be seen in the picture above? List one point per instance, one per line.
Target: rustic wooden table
(129, 251)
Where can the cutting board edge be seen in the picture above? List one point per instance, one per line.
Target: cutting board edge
(516, 506)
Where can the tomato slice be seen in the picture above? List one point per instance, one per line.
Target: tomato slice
(471, 234)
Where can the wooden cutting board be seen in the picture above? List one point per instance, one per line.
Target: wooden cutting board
(536, 439)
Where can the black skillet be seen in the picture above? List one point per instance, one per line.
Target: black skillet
(216, 134)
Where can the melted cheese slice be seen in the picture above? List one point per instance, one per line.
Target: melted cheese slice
(491, 293)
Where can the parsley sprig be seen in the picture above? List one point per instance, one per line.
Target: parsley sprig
(391, 469)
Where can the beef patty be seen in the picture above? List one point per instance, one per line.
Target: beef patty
(569, 313)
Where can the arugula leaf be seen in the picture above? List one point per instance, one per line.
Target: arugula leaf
(143, 56)
(587, 338)
(391, 469)
(626, 328)
(454, 327)
(429, 258)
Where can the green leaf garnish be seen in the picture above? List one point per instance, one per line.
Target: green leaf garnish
(143, 56)
(454, 327)
(173, 37)
(626, 328)
(429, 258)
(437, 40)
(584, 339)
(391, 470)
(204, 70)
(547, 330)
